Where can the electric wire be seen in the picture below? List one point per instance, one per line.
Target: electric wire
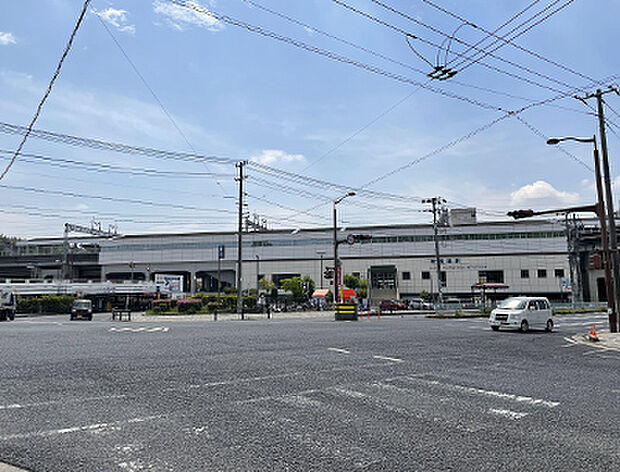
(109, 168)
(153, 94)
(98, 144)
(488, 66)
(329, 54)
(509, 42)
(113, 199)
(48, 91)
(520, 33)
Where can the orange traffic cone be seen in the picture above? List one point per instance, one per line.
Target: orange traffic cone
(593, 336)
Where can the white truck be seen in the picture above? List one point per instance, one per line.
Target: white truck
(8, 305)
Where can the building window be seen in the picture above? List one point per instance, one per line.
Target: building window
(426, 275)
(542, 273)
(406, 275)
(355, 274)
(559, 273)
(491, 276)
(525, 274)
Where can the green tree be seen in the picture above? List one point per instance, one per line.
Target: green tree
(266, 284)
(424, 295)
(362, 290)
(292, 285)
(351, 281)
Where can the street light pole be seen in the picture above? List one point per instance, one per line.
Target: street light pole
(336, 268)
(257, 274)
(321, 253)
(600, 212)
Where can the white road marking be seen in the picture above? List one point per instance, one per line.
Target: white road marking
(513, 415)
(572, 341)
(143, 328)
(17, 406)
(491, 393)
(78, 429)
(341, 351)
(392, 359)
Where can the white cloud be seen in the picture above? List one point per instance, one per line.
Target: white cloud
(542, 193)
(272, 156)
(7, 38)
(117, 18)
(180, 18)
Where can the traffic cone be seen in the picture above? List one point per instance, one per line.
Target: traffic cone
(593, 336)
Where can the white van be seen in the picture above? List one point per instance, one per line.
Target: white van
(522, 313)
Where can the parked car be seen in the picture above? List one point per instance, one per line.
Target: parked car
(392, 305)
(522, 313)
(82, 309)
(419, 304)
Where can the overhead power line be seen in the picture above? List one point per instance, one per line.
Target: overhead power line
(460, 55)
(101, 145)
(109, 168)
(519, 33)
(153, 94)
(113, 199)
(509, 42)
(329, 54)
(48, 91)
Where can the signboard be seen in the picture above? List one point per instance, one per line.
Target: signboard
(566, 285)
(169, 283)
(221, 252)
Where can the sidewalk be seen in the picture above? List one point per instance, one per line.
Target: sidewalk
(609, 341)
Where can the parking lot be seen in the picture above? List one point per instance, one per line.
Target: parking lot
(308, 393)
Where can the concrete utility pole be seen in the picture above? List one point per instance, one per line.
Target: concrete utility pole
(613, 243)
(240, 165)
(435, 202)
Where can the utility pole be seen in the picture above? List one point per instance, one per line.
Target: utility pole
(240, 165)
(436, 202)
(257, 275)
(613, 243)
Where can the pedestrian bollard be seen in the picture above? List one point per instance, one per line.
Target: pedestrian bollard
(215, 315)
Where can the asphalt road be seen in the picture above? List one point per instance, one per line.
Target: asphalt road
(305, 394)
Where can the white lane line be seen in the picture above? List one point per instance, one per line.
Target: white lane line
(391, 359)
(569, 340)
(141, 329)
(98, 427)
(513, 415)
(17, 406)
(491, 393)
(341, 351)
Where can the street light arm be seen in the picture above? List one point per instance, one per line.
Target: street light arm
(519, 214)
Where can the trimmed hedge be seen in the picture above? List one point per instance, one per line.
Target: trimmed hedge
(45, 304)
(201, 303)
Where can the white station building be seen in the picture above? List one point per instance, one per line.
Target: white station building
(529, 257)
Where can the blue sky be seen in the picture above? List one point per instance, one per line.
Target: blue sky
(229, 92)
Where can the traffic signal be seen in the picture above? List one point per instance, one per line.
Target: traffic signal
(518, 214)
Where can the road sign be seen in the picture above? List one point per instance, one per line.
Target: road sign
(350, 239)
(221, 251)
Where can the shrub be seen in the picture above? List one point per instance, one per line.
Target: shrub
(45, 304)
(189, 305)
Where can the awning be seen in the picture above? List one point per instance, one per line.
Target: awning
(321, 292)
